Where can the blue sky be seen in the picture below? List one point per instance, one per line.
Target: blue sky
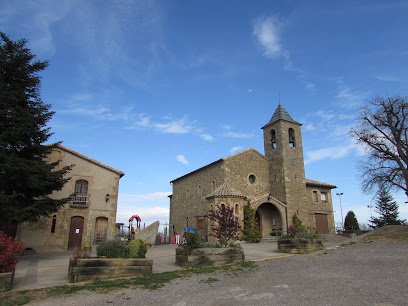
(160, 88)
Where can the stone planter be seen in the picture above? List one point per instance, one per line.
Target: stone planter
(299, 245)
(81, 270)
(208, 256)
(6, 281)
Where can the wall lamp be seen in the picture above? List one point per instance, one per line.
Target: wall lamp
(107, 197)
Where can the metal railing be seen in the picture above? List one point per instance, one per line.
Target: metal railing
(80, 199)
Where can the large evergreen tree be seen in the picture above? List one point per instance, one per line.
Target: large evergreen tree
(350, 222)
(387, 209)
(26, 179)
(250, 232)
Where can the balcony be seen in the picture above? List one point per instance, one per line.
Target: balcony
(80, 200)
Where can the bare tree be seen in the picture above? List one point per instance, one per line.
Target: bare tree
(382, 130)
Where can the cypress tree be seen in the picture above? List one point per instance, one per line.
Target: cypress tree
(350, 222)
(387, 209)
(250, 232)
(26, 179)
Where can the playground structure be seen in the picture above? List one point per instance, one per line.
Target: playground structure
(132, 231)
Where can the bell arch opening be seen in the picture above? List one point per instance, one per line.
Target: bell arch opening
(269, 220)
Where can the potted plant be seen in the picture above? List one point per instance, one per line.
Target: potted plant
(298, 239)
(225, 228)
(9, 247)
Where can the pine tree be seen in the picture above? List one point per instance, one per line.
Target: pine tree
(26, 179)
(387, 209)
(250, 231)
(351, 223)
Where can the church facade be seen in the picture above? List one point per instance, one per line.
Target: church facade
(274, 184)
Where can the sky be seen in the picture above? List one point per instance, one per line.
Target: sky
(157, 89)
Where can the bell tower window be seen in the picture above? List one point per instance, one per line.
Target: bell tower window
(292, 142)
(273, 139)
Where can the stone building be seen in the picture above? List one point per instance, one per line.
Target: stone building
(89, 218)
(274, 184)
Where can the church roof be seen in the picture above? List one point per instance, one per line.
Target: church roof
(281, 114)
(222, 160)
(226, 190)
(319, 184)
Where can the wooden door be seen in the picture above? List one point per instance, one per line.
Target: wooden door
(322, 225)
(101, 229)
(75, 233)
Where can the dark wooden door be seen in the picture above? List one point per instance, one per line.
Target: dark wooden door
(322, 225)
(101, 229)
(75, 233)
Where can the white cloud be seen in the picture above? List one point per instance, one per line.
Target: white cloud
(207, 137)
(235, 149)
(237, 135)
(388, 78)
(348, 97)
(178, 126)
(150, 207)
(327, 153)
(266, 32)
(182, 159)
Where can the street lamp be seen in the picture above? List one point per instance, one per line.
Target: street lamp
(341, 209)
(370, 206)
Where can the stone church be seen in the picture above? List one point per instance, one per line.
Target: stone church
(274, 184)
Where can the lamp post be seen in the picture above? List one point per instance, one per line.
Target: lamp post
(370, 206)
(341, 209)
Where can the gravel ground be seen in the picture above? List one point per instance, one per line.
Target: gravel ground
(361, 274)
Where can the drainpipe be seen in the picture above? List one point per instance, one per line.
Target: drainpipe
(287, 223)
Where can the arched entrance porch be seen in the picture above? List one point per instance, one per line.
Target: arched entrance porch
(269, 219)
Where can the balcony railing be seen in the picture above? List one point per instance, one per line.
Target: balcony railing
(80, 200)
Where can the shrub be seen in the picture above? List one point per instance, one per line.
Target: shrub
(112, 249)
(9, 247)
(191, 239)
(298, 230)
(137, 248)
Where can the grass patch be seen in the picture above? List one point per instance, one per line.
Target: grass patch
(147, 281)
(209, 281)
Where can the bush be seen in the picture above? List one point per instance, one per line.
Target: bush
(9, 247)
(112, 249)
(137, 248)
(298, 230)
(191, 239)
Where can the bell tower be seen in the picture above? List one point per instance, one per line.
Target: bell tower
(284, 149)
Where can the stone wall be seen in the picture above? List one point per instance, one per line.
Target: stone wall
(81, 270)
(208, 256)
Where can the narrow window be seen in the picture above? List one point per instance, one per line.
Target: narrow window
(273, 139)
(236, 209)
(81, 192)
(213, 185)
(54, 221)
(324, 197)
(314, 196)
(199, 191)
(292, 142)
(222, 206)
(188, 194)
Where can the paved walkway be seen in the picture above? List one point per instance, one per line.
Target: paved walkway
(51, 269)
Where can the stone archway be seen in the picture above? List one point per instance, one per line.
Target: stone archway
(270, 220)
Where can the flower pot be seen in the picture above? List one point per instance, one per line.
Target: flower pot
(6, 281)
